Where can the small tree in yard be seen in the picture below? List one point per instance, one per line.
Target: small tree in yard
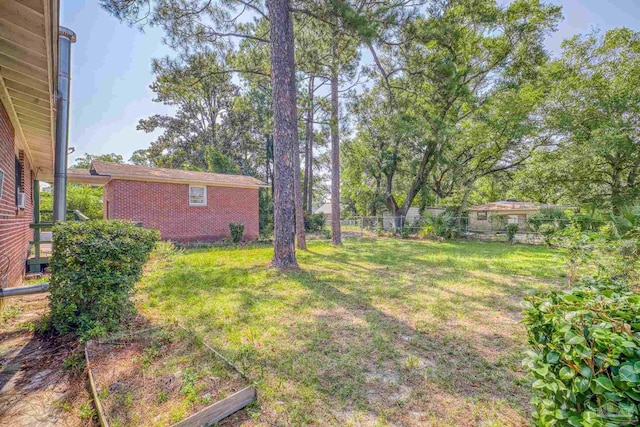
(511, 230)
(94, 267)
(237, 231)
(198, 24)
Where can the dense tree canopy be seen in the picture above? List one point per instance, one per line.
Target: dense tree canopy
(398, 103)
(592, 110)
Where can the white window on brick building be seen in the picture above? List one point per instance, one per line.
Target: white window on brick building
(197, 195)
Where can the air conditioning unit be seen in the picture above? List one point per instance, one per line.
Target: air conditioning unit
(22, 201)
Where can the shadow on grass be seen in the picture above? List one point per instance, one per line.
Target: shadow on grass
(341, 334)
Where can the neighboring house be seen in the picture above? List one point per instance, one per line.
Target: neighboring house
(182, 205)
(325, 210)
(28, 96)
(388, 219)
(509, 212)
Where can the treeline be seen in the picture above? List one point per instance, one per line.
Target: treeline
(397, 103)
(478, 112)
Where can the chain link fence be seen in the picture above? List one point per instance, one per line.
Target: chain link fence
(493, 228)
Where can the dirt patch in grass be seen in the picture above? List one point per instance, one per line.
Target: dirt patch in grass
(157, 376)
(42, 379)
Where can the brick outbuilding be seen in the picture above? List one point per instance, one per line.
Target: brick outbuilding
(182, 205)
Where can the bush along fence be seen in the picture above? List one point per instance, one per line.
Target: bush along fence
(448, 226)
(441, 225)
(94, 266)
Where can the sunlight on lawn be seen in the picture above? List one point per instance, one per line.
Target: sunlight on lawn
(378, 332)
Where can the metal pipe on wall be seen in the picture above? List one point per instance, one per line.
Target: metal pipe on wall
(24, 290)
(66, 37)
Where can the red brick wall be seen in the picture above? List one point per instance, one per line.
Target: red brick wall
(15, 233)
(165, 207)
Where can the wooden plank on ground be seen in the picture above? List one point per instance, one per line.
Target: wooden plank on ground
(94, 391)
(221, 409)
(210, 415)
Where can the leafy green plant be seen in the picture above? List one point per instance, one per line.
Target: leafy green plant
(585, 358)
(190, 385)
(441, 225)
(75, 362)
(547, 232)
(237, 231)
(265, 221)
(586, 221)
(314, 223)
(511, 230)
(596, 254)
(405, 232)
(624, 223)
(555, 217)
(9, 313)
(94, 266)
(86, 411)
(82, 197)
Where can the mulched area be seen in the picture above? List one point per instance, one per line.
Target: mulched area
(36, 389)
(157, 375)
(43, 379)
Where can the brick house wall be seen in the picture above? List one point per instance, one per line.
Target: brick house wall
(15, 233)
(165, 207)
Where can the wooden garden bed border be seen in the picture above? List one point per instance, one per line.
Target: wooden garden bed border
(210, 415)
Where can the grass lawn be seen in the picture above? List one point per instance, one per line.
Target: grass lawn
(378, 332)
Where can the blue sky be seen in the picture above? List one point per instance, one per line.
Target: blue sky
(111, 68)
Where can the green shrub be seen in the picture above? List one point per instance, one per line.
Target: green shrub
(414, 227)
(94, 266)
(585, 362)
(314, 223)
(265, 213)
(598, 255)
(556, 217)
(237, 231)
(511, 230)
(547, 231)
(442, 225)
(586, 222)
(405, 232)
(626, 222)
(82, 197)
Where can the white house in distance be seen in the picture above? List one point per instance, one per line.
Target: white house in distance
(514, 211)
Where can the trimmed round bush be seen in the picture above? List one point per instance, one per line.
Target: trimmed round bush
(94, 266)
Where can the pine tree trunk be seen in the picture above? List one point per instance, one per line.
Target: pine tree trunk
(308, 154)
(285, 132)
(336, 235)
(300, 234)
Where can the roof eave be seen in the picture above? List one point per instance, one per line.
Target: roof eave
(183, 181)
(28, 69)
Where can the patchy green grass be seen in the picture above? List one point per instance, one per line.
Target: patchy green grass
(378, 332)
